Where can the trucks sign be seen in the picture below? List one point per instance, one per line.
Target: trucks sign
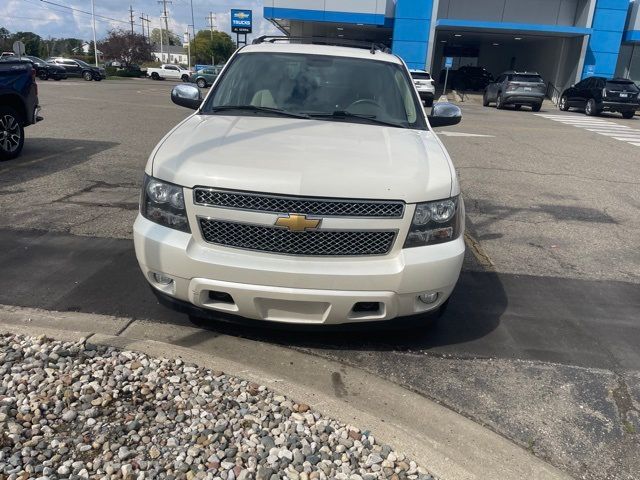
(241, 21)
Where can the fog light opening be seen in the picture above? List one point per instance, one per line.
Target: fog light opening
(161, 279)
(428, 298)
(221, 297)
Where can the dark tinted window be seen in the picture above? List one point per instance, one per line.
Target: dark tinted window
(420, 75)
(527, 78)
(622, 85)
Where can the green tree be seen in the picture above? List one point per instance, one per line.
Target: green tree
(206, 45)
(4, 39)
(32, 42)
(125, 47)
(168, 37)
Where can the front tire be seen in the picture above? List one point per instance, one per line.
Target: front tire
(517, 107)
(88, 76)
(44, 75)
(536, 107)
(185, 78)
(499, 104)
(11, 134)
(628, 115)
(485, 100)
(591, 108)
(155, 76)
(202, 83)
(564, 104)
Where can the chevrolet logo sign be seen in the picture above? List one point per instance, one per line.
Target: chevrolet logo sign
(241, 15)
(298, 223)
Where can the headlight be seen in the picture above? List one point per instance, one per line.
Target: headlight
(434, 222)
(163, 203)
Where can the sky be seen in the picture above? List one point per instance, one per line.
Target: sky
(49, 20)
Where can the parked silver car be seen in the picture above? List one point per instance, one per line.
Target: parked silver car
(517, 89)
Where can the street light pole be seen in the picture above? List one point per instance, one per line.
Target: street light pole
(95, 45)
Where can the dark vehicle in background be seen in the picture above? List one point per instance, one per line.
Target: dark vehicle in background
(599, 94)
(78, 68)
(44, 70)
(467, 78)
(517, 89)
(205, 77)
(18, 105)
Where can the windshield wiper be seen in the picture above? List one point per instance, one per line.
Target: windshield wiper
(342, 114)
(254, 108)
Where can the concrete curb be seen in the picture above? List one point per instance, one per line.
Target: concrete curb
(448, 444)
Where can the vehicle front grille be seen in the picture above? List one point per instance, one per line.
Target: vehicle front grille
(301, 205)
(273, 239)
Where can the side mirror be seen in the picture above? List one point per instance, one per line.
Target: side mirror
(444, 114)
(186, 96)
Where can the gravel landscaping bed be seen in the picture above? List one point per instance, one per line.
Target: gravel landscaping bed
(75, 410)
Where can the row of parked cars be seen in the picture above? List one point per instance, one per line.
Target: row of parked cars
(203, 77)
(593, 95)
(59, 68)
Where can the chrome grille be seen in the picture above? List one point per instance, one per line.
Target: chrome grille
(302, 205)
(280, 240)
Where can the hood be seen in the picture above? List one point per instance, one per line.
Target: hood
(304, 157)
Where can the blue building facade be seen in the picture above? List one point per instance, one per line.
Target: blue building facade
(565, 40)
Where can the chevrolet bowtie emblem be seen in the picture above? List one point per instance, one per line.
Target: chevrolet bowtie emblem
(298, 223)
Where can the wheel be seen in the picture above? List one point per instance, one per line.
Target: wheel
(628, 115)
(88, 76)
(485, 99)
(185, 78)
(564, 104)
(98, 79)
(11, 134)
(155, 76)
(499, 104)
(517, 107)
(201, 82)
(591, 108)
(57, 79)
(44, 75)
(536, 107)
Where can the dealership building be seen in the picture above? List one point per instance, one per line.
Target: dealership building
(563, 40)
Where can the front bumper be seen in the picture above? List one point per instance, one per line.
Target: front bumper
(522, 98)
(301, 290)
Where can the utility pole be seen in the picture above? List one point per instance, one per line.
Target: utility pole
(148, 28)
(142, 20)
(131, 16)
(211, 18)
(212, 24)
(164, 16)
(193, 23)
(95, 45)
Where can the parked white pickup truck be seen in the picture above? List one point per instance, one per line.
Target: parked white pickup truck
(169, 71)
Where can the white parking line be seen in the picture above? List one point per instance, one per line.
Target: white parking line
(602, 127)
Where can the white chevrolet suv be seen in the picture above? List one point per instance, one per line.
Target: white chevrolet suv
(307, 187)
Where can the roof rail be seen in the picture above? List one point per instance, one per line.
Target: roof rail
(340, 42)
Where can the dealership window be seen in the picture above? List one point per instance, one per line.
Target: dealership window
(629, 62)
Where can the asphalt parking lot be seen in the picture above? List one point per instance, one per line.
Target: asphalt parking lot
(541, 340)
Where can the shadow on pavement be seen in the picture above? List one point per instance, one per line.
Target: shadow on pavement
(44, 156)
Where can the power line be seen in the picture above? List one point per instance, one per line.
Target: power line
(40, 2)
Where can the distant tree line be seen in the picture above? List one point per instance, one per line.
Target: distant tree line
(40, 47)
(123, 46)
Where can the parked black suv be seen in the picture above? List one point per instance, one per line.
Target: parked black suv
(78, 68)
(467, 78)
(44, 70)
(598, 94)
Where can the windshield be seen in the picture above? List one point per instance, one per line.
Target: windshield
(322, 87)
(622, 85)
